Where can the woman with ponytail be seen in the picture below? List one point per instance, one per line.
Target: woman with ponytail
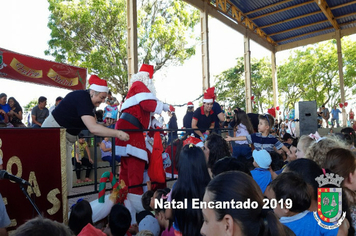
(245, 221)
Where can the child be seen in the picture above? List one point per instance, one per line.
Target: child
(263, 139)
(261, 174)
(242, 127)
(119, 221)
(317, 151)
(164, 223)
(296, 217)
(78, 158)
(304, 143)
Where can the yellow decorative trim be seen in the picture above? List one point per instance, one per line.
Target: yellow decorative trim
(63, 154)
(62, 80)
(24, 70)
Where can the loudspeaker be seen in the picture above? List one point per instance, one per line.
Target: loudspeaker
(306, 113)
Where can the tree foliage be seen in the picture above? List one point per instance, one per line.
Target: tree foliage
(230, 84)
(93, 34)
(311, 73)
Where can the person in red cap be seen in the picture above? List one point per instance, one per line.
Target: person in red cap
(138, 108)
(76, 113)
(187, 119)
(204, 117)
(172, 124)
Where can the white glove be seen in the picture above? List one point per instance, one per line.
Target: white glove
(165, 107)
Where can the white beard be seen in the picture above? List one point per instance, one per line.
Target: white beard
(145, 79)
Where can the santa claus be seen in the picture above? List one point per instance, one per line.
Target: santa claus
(140, 105)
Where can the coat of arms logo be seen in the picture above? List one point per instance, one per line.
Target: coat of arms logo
(329, 201)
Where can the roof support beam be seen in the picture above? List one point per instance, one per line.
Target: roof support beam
(247, 64)
(132, 58)
(341, 75)
(300, 27)
(269, 6)
(294, 18)
(315, 39)
(205, 48)
(274, 81)
(229, 21)
(323, 5)
(281, 10)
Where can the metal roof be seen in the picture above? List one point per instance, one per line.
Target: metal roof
(285, 24)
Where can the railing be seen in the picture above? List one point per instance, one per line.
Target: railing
(95, 191)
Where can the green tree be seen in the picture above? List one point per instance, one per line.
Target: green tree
(312, 74)
(93, 34)
(230, 86)
(30, 105)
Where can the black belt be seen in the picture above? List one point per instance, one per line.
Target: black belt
(131, 119)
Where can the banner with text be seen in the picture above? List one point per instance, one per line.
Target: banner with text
(35, 70)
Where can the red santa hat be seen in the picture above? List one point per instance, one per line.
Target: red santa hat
(97, 84)
(172, 109)
(147, 68)
(209, 95)
(197, 142)
(190, 104)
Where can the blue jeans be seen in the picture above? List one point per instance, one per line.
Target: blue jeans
(109, 159)
(337, 122)
(241, 151)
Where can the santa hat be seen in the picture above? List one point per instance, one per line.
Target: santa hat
(190, 104)
(147, 68)
(197, 142)
(172, 109)
(97, 84)
(209, 95)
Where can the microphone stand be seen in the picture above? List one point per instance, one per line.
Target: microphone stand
(22, 187)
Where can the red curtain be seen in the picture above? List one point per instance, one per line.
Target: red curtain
(35, 155)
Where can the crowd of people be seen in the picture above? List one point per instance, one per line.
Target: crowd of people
(224, 157)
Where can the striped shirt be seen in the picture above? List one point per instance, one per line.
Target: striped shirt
(261, 142)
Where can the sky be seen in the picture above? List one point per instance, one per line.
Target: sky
(24, 30)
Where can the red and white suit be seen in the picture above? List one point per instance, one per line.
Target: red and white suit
(141, 104)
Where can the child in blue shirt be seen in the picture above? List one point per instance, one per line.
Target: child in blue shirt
(297, 217)
(263, 139)
(261, 174)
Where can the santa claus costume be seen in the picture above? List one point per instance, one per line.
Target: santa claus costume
(140, 105)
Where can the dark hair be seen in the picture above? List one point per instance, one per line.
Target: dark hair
(146, 200)
(218, 147)
(268, 119)
(229, 164)
(159, 194)
(294, 143)
(3, 95)
(42, 99)
(109, 93)
(42, 227)
(277, 161)
(309, 170)
(190, 109)
(16, 103)
(223, 188)
(291, 185)
(119, 220)
(59, 99)
(80, 216)
(241, 117)
(340, 161)
(99, 115)
(351, 133)
(193, 178)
